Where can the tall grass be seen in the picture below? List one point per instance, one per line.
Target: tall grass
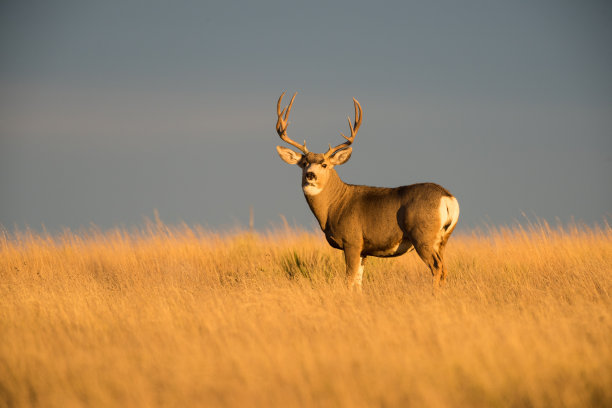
(181, 316)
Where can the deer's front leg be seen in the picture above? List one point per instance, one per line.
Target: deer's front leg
(354, 267)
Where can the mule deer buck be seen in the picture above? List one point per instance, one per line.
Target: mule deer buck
(370, 221)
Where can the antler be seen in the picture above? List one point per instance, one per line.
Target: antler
(281, 124)
(353, 128)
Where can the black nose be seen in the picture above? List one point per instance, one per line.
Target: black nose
(310, 176)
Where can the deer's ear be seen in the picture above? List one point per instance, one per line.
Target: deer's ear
(341, 157)
(288, 155)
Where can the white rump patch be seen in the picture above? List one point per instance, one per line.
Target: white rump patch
(449, 212)
(311, 190)
(449, 215)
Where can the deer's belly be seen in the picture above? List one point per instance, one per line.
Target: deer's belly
(333, 242)
(396, 249)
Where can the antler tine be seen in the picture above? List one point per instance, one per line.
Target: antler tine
(357, 120)
(354, 128)
(278, 104)
(281, 123)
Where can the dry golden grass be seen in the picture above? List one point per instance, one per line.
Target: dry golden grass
(179, 316)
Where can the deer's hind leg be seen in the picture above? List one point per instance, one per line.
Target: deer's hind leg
(440, 252)
(433, 260)
(445, 235)
(426, 240)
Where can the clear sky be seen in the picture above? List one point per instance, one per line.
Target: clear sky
(112, 109)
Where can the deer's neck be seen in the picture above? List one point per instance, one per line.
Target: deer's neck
(329, 200)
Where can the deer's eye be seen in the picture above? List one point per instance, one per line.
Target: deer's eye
(324, 165)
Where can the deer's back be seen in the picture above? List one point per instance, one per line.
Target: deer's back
(385, 219)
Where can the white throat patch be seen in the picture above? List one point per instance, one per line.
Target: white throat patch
(311, 190)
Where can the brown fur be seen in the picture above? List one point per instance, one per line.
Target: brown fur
(375, 221)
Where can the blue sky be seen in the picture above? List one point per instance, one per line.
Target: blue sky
(110, 110)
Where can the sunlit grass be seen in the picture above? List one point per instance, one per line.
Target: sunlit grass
(183, 316)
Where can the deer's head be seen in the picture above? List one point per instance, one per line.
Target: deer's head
(316, 167)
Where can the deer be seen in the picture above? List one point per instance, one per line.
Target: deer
(367, 221)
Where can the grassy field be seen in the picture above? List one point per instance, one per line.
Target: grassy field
(181, 316)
